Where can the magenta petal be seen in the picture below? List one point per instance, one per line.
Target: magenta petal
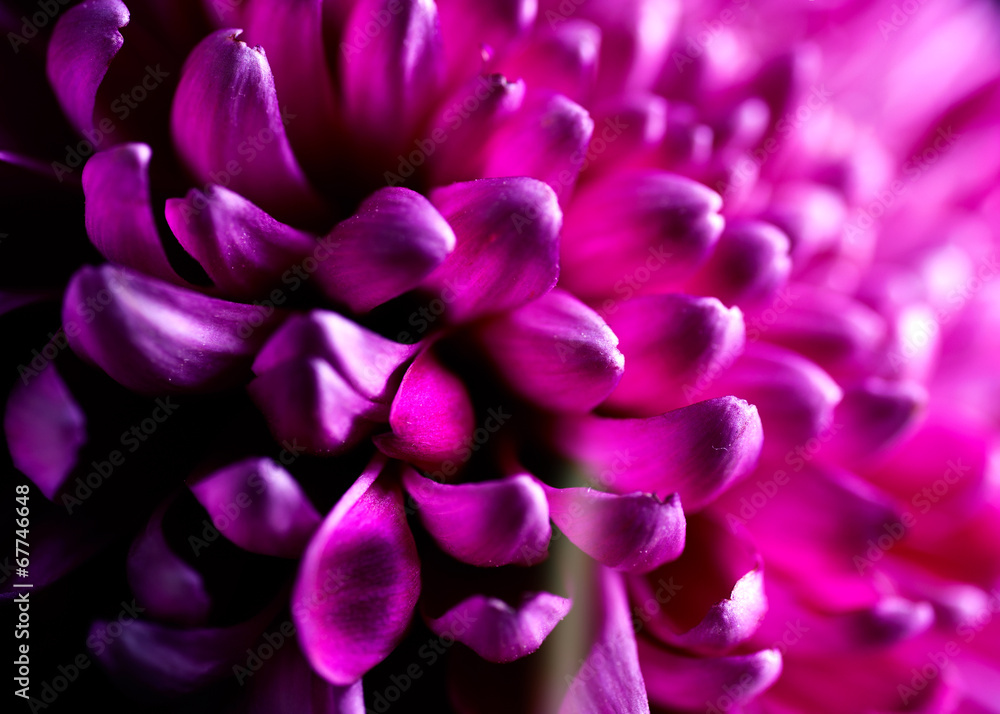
(633, 533)
(228, 128)
(475, 29)
(507, 251)
(612, 680)
(370, 363)
(677, 681)
(395, 240)
(83, 44)
(275, 516)
(307, 402)
(156, 338)
(487, 524)
(657, 228)
(674, 346)
(389, 77)
(498, 632)
(874, 415)
(359, 581)
(546, 139)
(562, 59)
(696, 451)
(431, 416)
(243, 250)
(44, 428)
(118, 213)
(556, 352)
(162, 582)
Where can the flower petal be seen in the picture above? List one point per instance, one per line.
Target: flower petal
(83, 44)
(359, 581)
(306, 399)
(507, 250)
(697, 451)
(561, 59)
(45, 429)
(498, 632)
(874, 415)
(274, 516)
(486, 524)
(369, 362)
(431, 417)
(675, 346)
(243, 250)
(656, 227)
(475, 29)
(633, 533)
(228, 128)
(556, 352)
(394, 241)
(546, 139)
(118, 212)
(156, 338)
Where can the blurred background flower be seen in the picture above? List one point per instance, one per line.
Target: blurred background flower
(556, 356)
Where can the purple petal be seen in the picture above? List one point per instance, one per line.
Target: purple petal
(394, 241)
(243, 250)
(633, 533)
(157, 338)
(118, 213)
(486, 524)
(712, 597)
(562, 59)
(696, 451)
(677, 681)
(370, 363)
(44, 428)
(748, 266)
(274, 516)
(556, 352)
(431, 417)
(83, 44)
(390, 76)
(609, 679)
(546, 139)
(162, 582)
(359, 581)
(474, 29)
(656, 227)
(228, 128)
(507, 251)
(498, 632)
(874, 415)
(675, 346)
(305, 399)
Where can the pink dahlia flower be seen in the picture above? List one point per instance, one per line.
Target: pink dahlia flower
(502, 356)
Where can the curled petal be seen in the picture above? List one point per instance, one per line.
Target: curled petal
(682, 682)
(712, 597)
(498, 632)
(431, 416)
(389, 79)
(394, 241)
(370, 363)
(359, 581)
(83, 44)
(156, 338)
(306, 399)
(874, 415)
(118, 213)
(557, 352)
(546, 139)
(275, 516)
(658, 228)
(163, 583)
(562, 59)
(675, 347)
(226, 124)
(696, 451)
(45, 429)
(243, 250)
(485, 524)
(633, 533)
(507, 250)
